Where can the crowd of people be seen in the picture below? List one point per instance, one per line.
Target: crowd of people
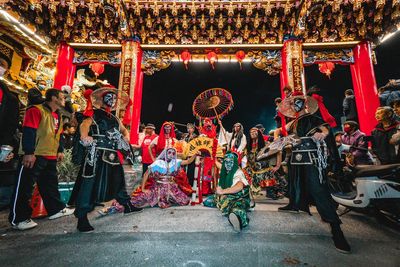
(291, 161)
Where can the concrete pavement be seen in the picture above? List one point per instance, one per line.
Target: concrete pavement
(199, 236)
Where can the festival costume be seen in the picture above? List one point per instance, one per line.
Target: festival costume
(164, 191)
(234, 141)
(307, 167)
(238, 203)
(260, 168)
(102, 176)
(210, 130)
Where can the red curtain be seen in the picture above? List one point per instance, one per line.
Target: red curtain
(364, 86)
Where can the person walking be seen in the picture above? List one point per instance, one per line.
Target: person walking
(41, 149)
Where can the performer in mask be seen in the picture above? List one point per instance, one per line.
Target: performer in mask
(107, 143)
(233, 193)
(165, 139)
(308, 163)
(164, 192)
(236, 140)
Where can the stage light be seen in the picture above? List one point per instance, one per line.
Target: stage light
(388, 36)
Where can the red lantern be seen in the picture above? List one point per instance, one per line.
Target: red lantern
(185, 56)
(240, 55)
(326, 68)
(212, 57)
(97, 68)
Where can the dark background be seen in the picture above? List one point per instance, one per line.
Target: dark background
(253, 90)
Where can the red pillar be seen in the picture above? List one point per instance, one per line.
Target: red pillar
(137, 108)
(65, 69)
(364, 85)
(292, 73)
(131, 81)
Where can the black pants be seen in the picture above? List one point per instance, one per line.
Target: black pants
(305, 187)
(87, 196)
(44, 173)
(190, 172)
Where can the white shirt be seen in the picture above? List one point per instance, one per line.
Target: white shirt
(239, 177)
(224, 137)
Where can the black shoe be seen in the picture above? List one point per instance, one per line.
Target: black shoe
(84, 225)
(130, 209)
(339, 240)
(288, 208)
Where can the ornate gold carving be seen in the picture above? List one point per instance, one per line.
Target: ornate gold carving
(269, 61)
(155, 61)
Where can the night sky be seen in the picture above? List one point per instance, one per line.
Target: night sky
(253, 90)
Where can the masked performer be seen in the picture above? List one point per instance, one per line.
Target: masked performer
(264, 172)
(164, 192)
(165, 139)
(235, 141)
(233, 193)
(106, 142)
(307, 168)
(210, 130)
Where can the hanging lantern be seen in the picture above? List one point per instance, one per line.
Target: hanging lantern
(212, 57)
(240, 55)
(97, 68)
(186, 56)
(326, 68)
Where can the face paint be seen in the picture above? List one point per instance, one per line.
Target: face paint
(298, 104)
(170, 154)
(229, 163)
(110, 99)
(167, 129)
(253, 134)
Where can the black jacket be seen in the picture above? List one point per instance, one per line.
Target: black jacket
(9, 112)
(350, 109)
(386, 153)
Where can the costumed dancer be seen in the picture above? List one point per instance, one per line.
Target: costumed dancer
(164, 192)
(232, 196)
(236, 140)
(187, 137)
(209, 130)
(107, 144)
(264, 173)
(308, 163)
(165, 139)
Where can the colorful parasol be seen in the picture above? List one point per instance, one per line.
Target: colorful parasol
(212, 103)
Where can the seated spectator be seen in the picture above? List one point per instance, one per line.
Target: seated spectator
(386, 136)
(396, 109)
(389, 93)
(358, 144)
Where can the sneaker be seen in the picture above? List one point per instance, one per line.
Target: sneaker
(288, 208)
(130, 209)
(25, 225)
(235, 222)
(62, 213)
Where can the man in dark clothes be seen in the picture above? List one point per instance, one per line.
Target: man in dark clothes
(68, 135)
(307, 174)
(349, 106)
(386, 136)
(9, 111)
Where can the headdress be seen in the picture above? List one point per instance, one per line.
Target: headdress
(287, 109)
(226, 178)
(161, 137)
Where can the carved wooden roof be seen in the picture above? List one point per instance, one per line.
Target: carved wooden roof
(210, 22)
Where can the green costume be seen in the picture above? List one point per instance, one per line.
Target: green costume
(238, 203)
